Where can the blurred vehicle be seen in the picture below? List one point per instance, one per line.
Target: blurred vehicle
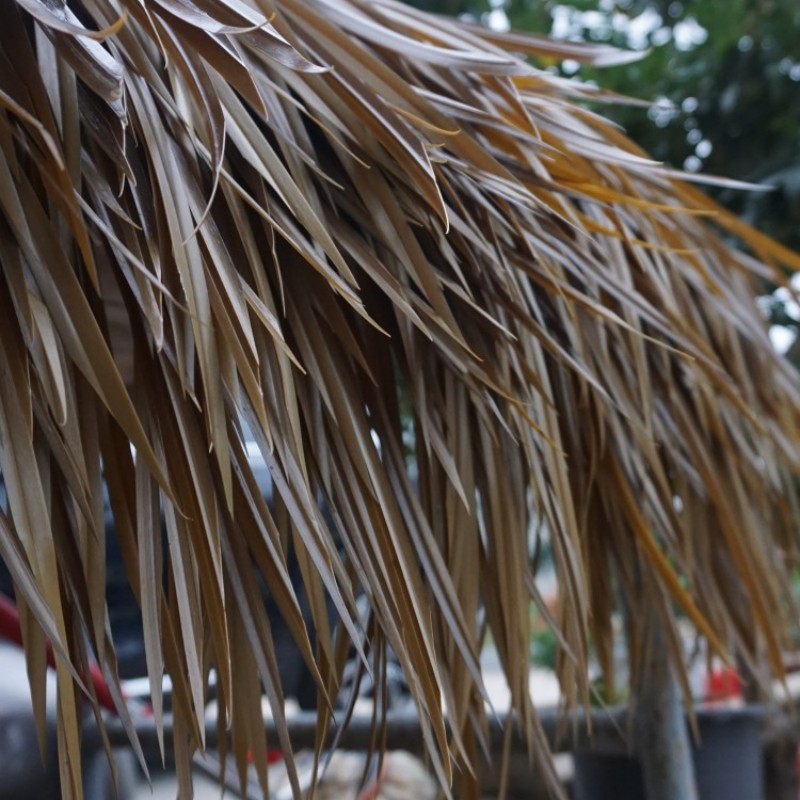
(22, 773)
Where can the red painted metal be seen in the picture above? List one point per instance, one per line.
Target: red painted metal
(11, 630)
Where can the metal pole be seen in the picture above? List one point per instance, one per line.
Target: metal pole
(663, 739)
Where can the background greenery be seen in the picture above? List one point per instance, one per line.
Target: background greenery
(724, 81)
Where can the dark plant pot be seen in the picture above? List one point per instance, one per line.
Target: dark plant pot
(727, 761)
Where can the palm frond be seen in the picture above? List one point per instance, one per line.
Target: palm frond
(371, 236)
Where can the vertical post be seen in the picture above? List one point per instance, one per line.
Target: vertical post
(661, 731)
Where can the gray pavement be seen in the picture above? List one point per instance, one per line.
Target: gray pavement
(165, 787)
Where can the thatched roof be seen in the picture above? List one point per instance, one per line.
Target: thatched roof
(370, 234)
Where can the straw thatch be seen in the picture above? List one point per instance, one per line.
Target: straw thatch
(377, 238)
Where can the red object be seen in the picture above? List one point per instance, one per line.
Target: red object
(11, 630)
(723, 684)
(273, 756)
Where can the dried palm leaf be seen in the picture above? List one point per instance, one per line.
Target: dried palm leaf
(372, 236)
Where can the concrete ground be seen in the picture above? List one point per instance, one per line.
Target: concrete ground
(165, 787)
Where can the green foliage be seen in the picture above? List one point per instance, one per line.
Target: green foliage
(731, 73)
(605, 696)
(544, 647)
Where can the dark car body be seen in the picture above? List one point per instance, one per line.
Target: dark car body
(22, 773)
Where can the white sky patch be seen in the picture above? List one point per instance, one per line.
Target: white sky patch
(562, 27)
(662, 111)
(782, 338)
(692, 164)
(497, 20)
(661, 36)
(764, 303)
(790, 306)
(695, 136)
(689, 33)
(594, 19)
(704, 148)
(640, 32)
(638, 29)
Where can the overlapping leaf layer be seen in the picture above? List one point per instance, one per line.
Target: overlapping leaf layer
(454, 307)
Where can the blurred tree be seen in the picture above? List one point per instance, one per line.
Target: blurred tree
(723, 79)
